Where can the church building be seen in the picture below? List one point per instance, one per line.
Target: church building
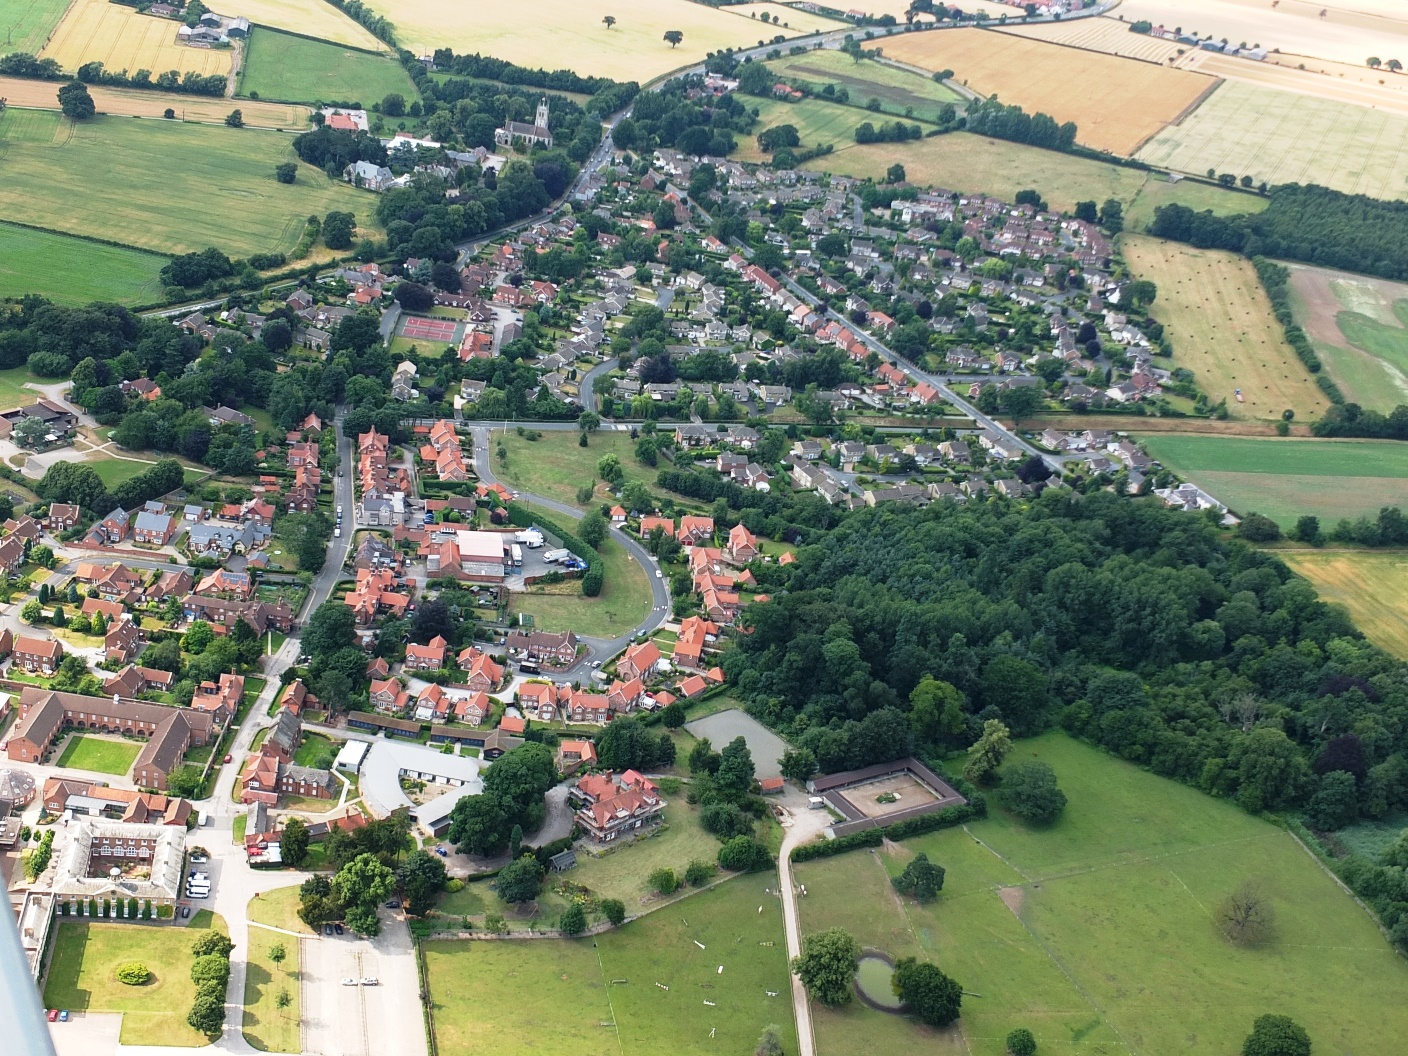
(519, 132)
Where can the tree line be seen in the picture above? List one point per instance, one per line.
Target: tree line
(989, 117)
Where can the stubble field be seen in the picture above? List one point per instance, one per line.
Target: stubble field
(1372, 586)
(137, 102)
(122, 39)
(1335, 81)
(1285, 137)
(148, 169)
(312, 18)
(1096, 933)
(1116, 103)
(1108, 35)
(1217, 315)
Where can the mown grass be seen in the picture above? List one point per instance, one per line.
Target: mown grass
(297, 70)
(623, 602)
(896, 90)
(555, 466)
(268, 1027)
(100, 754)
(74, 271)
(1105, 940)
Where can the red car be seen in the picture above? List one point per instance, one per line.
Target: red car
(227, 758)
(53, 1015)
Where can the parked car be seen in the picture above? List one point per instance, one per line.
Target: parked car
(394, 903)
(337, 928)
(185, 911)
(228, 757)
(199, 859)
(349, 982)
(327, 929)
(63, 1016)
(442, 852)
(53, 1014)
(371, 980)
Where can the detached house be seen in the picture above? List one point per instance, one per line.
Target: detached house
(426, 657)
(610, 807)
(38, 655)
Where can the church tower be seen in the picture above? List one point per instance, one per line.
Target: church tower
(542, 119)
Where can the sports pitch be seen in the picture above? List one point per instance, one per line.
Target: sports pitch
(1096, 933)
(1285, 137)
(282, 66)
(1283, 479)
(123, 39)
(599, 996)
(152, 171)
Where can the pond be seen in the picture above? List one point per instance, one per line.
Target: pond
(873, 981)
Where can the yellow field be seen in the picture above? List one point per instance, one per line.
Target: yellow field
(1372, 586)
(795, 18)
(566, 33)
(1109, 35)
(120, 102)
(122, 39)
(1116, 103)
(1216, 313)
(312, 18)
(1336, 81)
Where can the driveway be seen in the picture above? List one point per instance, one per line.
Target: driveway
(360, 1020)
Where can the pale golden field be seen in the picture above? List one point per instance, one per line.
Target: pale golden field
(560, 34)
(122, 39)
(312, 18)
(1116, 103)
(1217, 315)
(1109, 35)
(798, 20)
(120, 102)
(1351, 31)
(1335, 81)
(1372, 586)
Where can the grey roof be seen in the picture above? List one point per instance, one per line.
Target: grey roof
(152, 522)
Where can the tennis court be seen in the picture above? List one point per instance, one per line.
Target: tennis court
(440, 330)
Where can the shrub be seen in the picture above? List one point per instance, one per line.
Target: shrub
(574, 920)
(665, 881)
(743, 854)
(698, 873)
(614, 910)
(133, 973)
(1021, 1043)
(454, 884)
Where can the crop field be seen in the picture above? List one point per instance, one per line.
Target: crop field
(1350, 30)
(28, 23)
(1216, 313)
(46, 167)
(1359, 327)
(312, 18)
(897, 90)
(598, 997)
(793, 18)
(138, 102)
(565, 33)
(1096, 933)
(1284, 479)
(1285, 137)
(1372, 586)
(280, 66)
(82, 975)
(122, 39)
(1116, 103)
(1337, 81)
(74, 271)
(1108, 35)
(1196, 195)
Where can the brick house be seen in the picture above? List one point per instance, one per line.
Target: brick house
(41, 655)
(640, 662)
(429, 657)
(610, 807)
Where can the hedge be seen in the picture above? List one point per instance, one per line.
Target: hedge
(524, 517)
(943, 819)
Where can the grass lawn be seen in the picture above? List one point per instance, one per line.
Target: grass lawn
(1096, 933)
(28, 23)
(817, 122)
(278, 908)
(897, 90)
(86, 957)
(298, 70)
(1373, 586)
(74, 271)
(13, 382)
(105, 755)
(268, 1027)
(48, 161)
(1284, 479)
(238, 829)
(623, 602)
(313, 747)
(554, 466)
(557, 998)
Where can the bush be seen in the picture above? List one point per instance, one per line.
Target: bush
(133, 973)
(454, 884)
(743, 854)
(614, 910)
(698, 873)
(665, 881)
(1021, 1043)
(574, 920)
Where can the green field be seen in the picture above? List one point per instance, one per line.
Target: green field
(817, 123)
(28, 23)
(298, 70)
(897, 90)
(1096, 933)
(267, 1026)
(151, 170)
(623, 602)
(1286, 137)
(106, 755)
(74, 271)
(557, 998)
(1357, 326)
(86, 957)
(555, 466)
(1283, 479)
(1202, 197)
(13, 387)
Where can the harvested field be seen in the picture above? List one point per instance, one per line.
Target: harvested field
(134, 102)
(897, 90)
(1351, 30)
(1116, 103)
(1108, 35)
(1372, 586)
(312, 18)
(122, 39)
(563, 33)
(1335, 81)
(28, 23)
(1218, 317)
(1285, 137)
(1359, 327)
(793, 18)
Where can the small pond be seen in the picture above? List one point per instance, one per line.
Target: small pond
(873, 981)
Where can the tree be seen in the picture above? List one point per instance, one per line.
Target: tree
(798, 764)
(1246, 917)
(198, 637)
(421, 878)
(608, 468)
(895, 173)
(827, 965)
(936, 711)
(920, 878)
(573, 920)
(207, 1013)
(338, 229)
(609, 21)
(75, 102)
(674, 36)
(286, 172)
(394, 105)
(1020, 1042)
(1276, 1036)
(1307, 530)
(1029, 791)
(664, 881)
(1020, 401)
(987, 754)
(293, 842)
(32, 611)
(235, 119)
(735, 773)
(331, 627)
(929, 993)
(673, 717)
(185, 781)
(520, 879)
(1335, 803)
(1374, 62)
(212, 943)
(360, 885)
(769, 1042)
(1087, 211)
(591, 529)
(1112, 216)
(278, 953)
(614, 910)
(1258, 528)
